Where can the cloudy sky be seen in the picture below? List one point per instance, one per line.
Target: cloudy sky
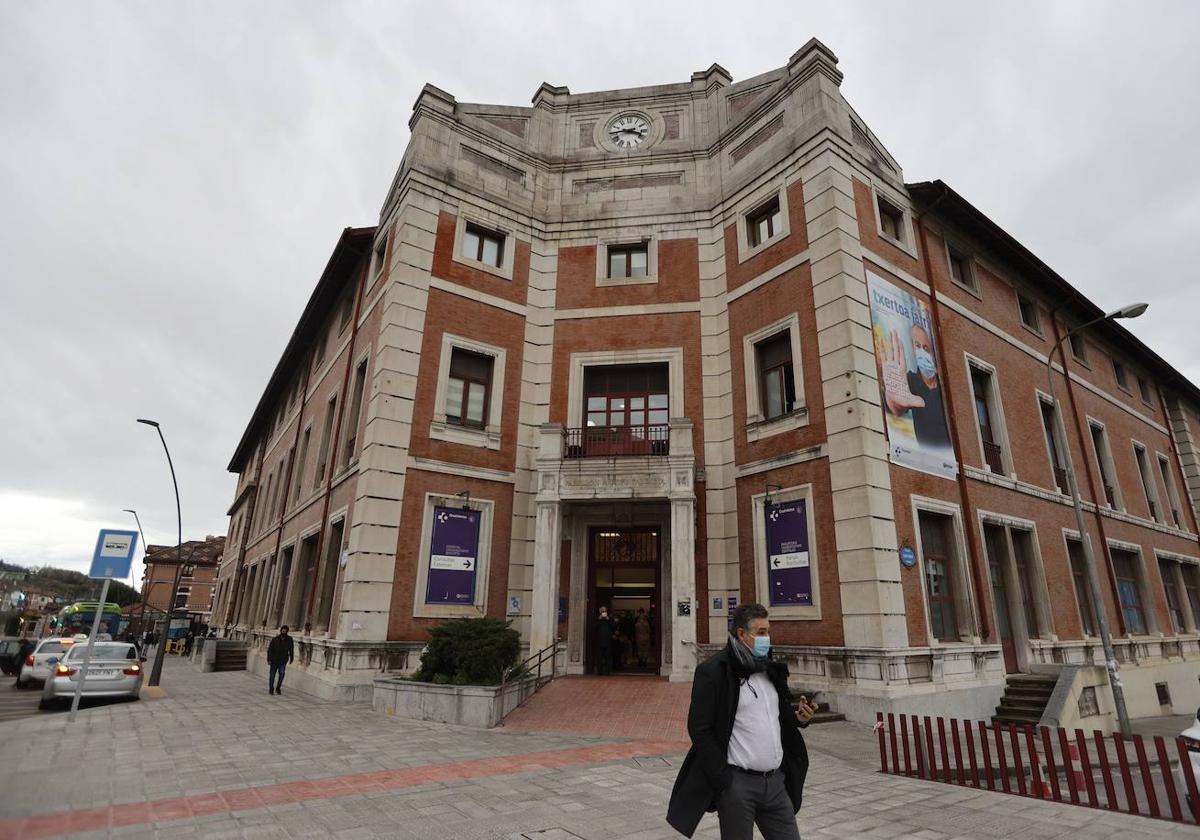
(173, 176)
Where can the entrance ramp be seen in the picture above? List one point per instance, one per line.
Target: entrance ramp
(614, 706)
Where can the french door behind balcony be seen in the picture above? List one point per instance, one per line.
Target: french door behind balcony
(625, 424)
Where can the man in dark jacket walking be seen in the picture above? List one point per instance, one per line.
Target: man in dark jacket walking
(280, 652)
(603, 642)
(748, 760)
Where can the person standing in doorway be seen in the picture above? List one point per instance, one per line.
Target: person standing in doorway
(280, 653)
(641, 632)
(748, 760)
(603, 635)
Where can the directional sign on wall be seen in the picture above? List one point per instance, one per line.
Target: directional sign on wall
(453, 550)
(789, 575)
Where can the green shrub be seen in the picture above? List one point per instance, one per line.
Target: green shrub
(469, 651)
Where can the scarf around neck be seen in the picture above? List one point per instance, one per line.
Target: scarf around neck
(745, 662)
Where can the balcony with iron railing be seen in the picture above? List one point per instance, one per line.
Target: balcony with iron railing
(992, 456)
(603, 462)
(615, 441)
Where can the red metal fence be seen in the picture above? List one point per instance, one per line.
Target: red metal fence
(1047, 764)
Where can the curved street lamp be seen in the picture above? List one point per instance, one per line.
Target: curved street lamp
(1132, 310)
(156, 671)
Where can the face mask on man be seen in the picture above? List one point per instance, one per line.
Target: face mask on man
(925, 363)
(762, 645)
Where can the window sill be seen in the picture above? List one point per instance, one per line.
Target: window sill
(897, 243)
(1080, 362)
(975, 293)
(1033, 330)
(760, 429)
(627, 281)
(754, 250)
(504, 272)
(487, 438)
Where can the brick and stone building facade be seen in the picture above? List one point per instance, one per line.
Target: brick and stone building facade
(624, 330)
(197, 581)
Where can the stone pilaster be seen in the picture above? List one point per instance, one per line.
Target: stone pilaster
(864, 518)
(683, 589)
(543, 625)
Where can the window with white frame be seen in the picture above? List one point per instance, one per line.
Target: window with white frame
(962, 269)
(764, 222)
(468, 388)
(1149, 488)
(356, 395)
(470, 393)
(989, 417)
(1083, 592)
(891, 220)
(1104, 461)
(483, 245)
(326, 434)
(1028, 309)
(1127, 567)
(380, 256)
(1079, 348)
(1121, 375)
(628, 261)
(1164, 469)
(1144, 389)
(776, 379)
(947, 594)
(1055, 445)
(1176, 597)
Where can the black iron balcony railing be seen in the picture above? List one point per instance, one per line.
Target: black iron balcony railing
(992, 456)
(612, 441)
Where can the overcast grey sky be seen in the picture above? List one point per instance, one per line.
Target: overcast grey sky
(173, 176)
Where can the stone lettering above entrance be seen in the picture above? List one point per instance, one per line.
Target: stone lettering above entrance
(639, 484)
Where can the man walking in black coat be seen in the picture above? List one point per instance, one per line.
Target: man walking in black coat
(748, 760)
(280, 652)
(603, 641)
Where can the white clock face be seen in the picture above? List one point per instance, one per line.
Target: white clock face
(628, 131)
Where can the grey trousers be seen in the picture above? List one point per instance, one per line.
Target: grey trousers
(754, 800)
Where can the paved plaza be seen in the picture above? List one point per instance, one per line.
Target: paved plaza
(219, 758)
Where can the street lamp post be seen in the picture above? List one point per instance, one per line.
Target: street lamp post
(156, 670)
(1110, 660)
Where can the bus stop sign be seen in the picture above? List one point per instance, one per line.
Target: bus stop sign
(114, 554)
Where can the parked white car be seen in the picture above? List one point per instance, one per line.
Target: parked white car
(115, 670)
(1191, 737)
(45, 656)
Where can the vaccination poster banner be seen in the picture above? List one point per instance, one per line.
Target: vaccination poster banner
(906, 360)
(789, 575)
(453, 549)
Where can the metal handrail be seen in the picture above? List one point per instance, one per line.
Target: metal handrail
(522, 668)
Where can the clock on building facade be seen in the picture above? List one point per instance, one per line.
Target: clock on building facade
(628, 131)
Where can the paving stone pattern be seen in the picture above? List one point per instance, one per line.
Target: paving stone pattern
(201, 764)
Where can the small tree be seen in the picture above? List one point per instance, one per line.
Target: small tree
(469, 651)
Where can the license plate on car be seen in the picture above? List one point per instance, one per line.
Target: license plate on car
(102, 672)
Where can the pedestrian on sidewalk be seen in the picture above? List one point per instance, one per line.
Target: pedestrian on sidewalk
(748, 759)
(280, 653)
(603, 635)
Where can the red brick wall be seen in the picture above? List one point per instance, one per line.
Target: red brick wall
(445, 267)
(796, 241)
(678, 278)
(401, 623)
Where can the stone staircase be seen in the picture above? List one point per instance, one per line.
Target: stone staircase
(230, 656)
(1025, 698)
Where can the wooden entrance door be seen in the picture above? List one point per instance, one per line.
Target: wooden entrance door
(623, 575)
(1003, 623)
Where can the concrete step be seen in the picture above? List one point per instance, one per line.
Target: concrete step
(1038, 703)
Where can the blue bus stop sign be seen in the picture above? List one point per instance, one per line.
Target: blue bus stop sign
(114, 554)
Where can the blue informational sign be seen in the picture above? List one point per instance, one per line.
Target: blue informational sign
(789, 576)
(114, 554)
(908, 557)
(453, 551)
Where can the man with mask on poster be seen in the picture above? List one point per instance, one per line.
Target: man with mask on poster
(748, 760)
(924, 393)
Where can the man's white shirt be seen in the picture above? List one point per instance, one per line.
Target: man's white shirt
(755, 742)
